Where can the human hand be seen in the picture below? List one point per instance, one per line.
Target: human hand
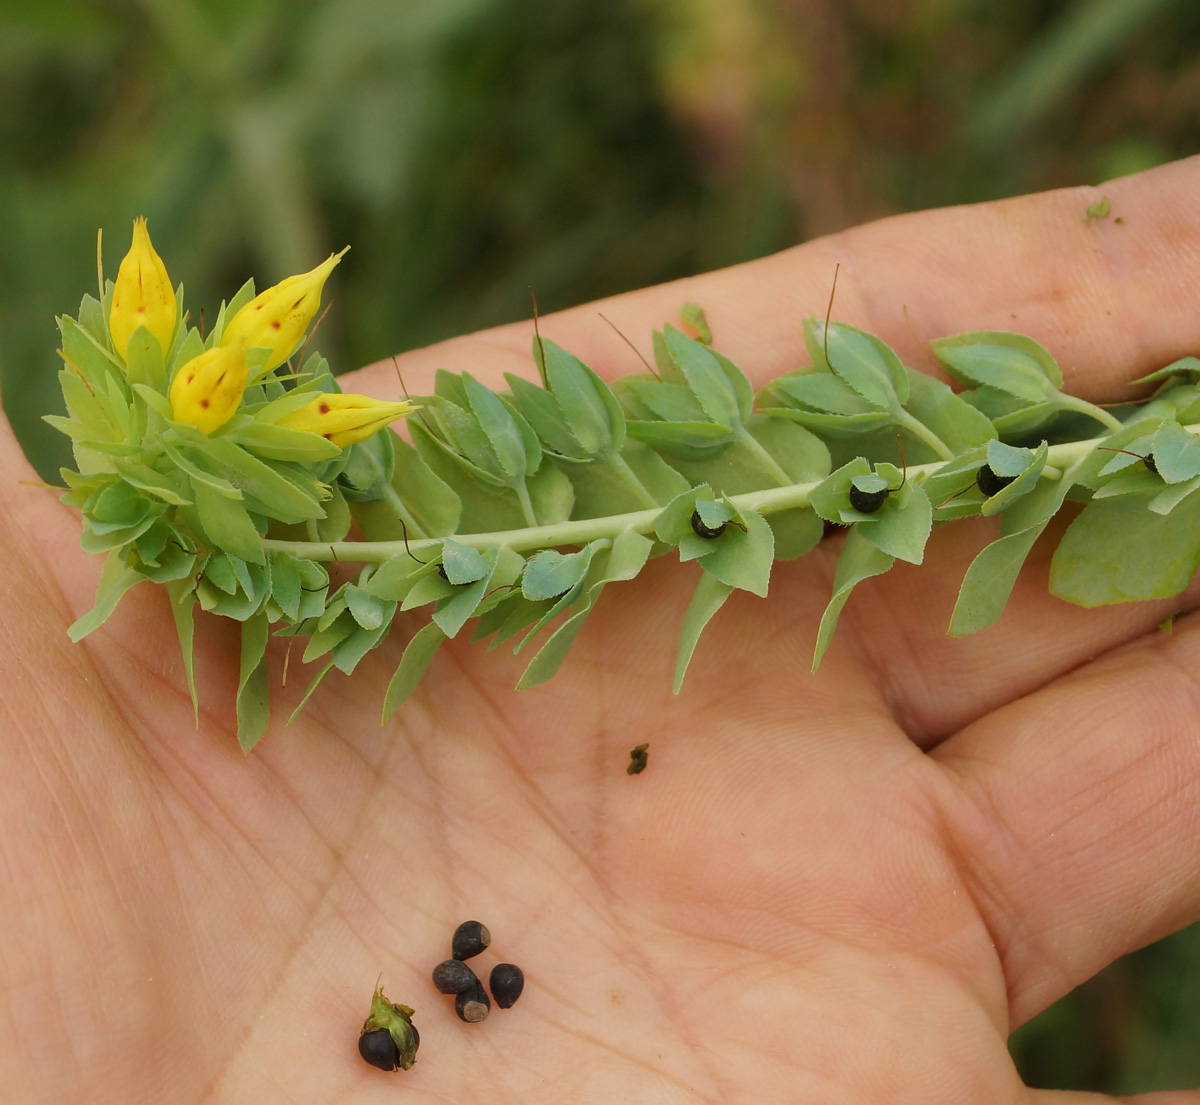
(845, 887)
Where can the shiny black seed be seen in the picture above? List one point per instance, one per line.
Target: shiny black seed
(701, 530)
(507, 981)
(637, 760)
(472, 1005)
(470, 938)
(453, 977)
(989, 483)
(379, 1049)
(867, 502)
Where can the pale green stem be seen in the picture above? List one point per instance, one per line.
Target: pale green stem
(630, 477)
(411, 527)
(580, 532)
(522, 490)
(919, 430)
(1073, 403)
(767, 462)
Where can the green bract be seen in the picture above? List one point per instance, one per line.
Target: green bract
(511, 511)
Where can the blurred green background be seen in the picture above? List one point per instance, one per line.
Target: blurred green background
(470, 149)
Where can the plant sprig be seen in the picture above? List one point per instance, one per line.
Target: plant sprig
(511, 511)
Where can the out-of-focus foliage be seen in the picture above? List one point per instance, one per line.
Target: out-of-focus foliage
(468, 149)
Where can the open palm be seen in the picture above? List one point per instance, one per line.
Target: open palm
(840, 888)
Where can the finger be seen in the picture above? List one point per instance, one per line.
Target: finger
(1106, 298)
(1076, 815)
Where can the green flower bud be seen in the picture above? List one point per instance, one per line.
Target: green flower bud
(396, 1020)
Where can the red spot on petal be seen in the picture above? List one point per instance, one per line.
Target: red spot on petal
(324, 408)
(191, 377)
(204, 403)
(276, 324)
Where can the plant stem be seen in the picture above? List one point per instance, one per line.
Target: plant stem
(580, 532)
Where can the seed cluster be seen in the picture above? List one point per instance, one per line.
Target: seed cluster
(453, 976)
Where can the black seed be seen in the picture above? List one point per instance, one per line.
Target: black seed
(637, 759)
(701, 530)
(989, 483)
(472, 1005)
(867, 502)
(507, 981)
(379, 1049)
(470, 938)
(453, 977)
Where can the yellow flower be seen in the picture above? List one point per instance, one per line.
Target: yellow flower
(142, 295)
(345, 419)
(208, 389)
(277, 318)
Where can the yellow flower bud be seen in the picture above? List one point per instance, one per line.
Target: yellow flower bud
(142, 295)
(208, 389)
(345, 419)
(277, 318)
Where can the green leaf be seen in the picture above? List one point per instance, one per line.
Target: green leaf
(183, 603)
(795, 531)
(287, 495)
(285, 583)
(1176, 453)
(866, 363)
(902, 524)
(821, 391)
(989, 581)
(511, 438)
(675, 521)
(281, 443)
(367, 609)
(831, 497)
(1011, 363)
(705, 376)
(709, 596)
(1118, 551)
(413, 664)
(690, 440)
(463, 600)
(115, 579)
(743, 558)
(590, 410)
(955, 422)
(463, 564)
(348, 652)
(144, 360)
(859, 560)
(253, 693)
(226, 524)
(551, 573)
(1025, 464)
